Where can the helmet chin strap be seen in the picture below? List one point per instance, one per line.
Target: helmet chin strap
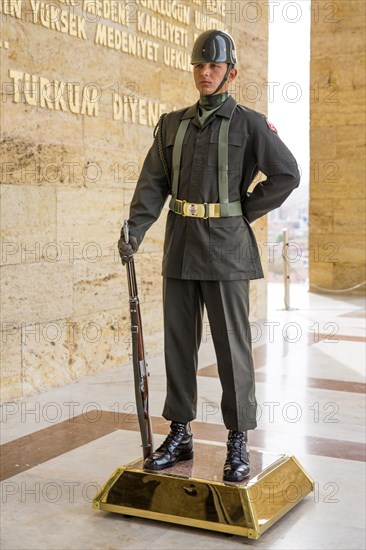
(229, 67)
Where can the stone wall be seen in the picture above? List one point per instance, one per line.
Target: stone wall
(337, 140)
(83, 84)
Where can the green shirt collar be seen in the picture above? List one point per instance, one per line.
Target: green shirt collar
(208, 104)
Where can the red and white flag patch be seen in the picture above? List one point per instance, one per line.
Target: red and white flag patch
(271, 126)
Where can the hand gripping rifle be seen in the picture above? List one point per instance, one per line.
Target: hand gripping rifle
(138, 355)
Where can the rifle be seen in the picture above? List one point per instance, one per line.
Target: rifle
(138, 355)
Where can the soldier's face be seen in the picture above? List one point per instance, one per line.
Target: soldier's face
(207, 76)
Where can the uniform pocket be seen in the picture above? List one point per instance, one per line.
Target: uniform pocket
(234, 138)
(170, 140)
(232, 245)
(223, 223)
(236, 145)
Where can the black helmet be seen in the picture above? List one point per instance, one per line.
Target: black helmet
(214, 46)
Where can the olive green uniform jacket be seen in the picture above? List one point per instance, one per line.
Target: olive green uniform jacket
(215, 248)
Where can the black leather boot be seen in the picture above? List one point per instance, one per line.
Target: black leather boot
(237, 467)
(177, 446)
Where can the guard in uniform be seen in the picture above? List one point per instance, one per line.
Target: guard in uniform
(206, 156)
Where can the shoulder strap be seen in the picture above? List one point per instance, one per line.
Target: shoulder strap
(223, 165)
(177, 153)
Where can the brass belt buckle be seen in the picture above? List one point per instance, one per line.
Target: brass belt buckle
(193, 209)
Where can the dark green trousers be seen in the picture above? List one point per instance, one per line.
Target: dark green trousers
(227, 305)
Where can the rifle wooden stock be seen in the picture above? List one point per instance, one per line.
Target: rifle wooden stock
(139, 363)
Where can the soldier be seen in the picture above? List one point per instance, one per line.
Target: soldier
(206, 156)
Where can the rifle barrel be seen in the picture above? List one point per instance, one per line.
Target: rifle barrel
(138, 354)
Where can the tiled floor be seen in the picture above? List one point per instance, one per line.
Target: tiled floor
(59, 447)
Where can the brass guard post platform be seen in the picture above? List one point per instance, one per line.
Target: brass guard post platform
(192, 493)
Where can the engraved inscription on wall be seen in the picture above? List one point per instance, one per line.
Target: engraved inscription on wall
(158, 31)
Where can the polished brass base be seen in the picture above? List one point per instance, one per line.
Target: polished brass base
(192, 493)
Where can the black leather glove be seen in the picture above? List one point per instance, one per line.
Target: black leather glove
(127, 250)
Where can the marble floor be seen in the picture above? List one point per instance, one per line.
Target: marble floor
(58, 448)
